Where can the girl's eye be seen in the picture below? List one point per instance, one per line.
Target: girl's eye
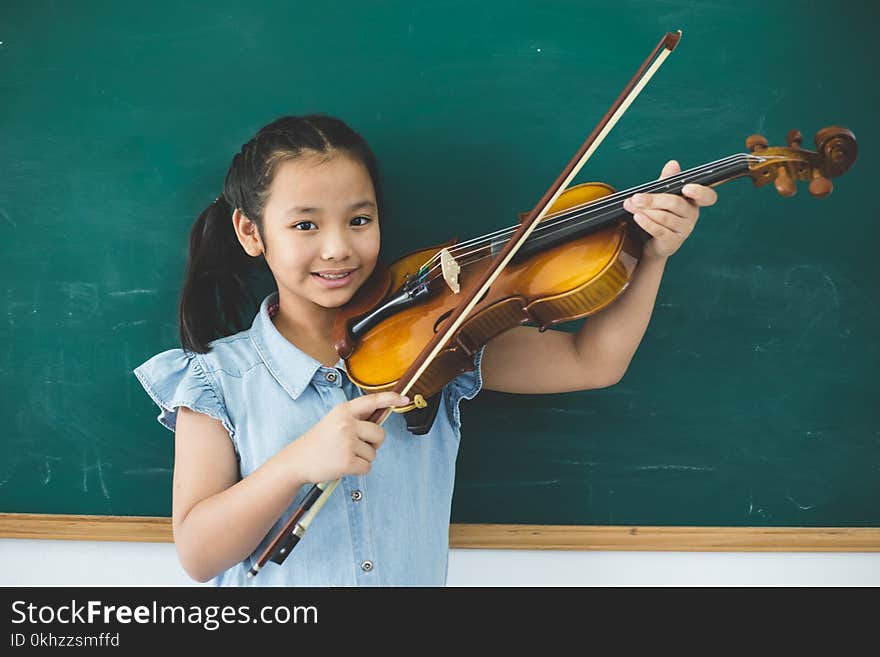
(366, 220)
(304, 225)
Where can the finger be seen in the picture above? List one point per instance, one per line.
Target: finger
(672, 212)
(364, 451)
(364, 406)
(653, 228)
(669, 202)
(360, 466)
(668, 220)
(701, 195)
(369, 432)
(670, 168)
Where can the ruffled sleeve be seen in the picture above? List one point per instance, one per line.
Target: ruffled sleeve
(177, 378)
(464, 386)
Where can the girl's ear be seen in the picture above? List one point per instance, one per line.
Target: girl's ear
(247, 234)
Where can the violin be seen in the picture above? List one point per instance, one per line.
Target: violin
(579, 259)
(415, 325)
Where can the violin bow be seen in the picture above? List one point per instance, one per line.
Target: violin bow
(296, 526)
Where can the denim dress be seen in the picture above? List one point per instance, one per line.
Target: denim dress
(389, 527)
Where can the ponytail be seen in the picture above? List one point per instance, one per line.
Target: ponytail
(215, 289)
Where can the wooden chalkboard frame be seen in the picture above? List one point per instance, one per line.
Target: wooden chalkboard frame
(152, 529)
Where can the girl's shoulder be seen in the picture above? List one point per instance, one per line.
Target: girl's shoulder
(228, 357)
(206, 383)
(234, 355)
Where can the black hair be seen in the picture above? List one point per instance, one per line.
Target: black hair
(217, 285)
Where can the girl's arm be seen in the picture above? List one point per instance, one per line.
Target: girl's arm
(218, 520)
(523, 360)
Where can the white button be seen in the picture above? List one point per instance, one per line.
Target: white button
(330, 376)
(367, 566)
(356, 495)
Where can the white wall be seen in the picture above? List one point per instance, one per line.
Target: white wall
(90, 563)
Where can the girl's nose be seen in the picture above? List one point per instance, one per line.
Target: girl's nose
(336, 245)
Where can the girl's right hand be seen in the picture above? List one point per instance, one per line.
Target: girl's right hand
(344, 441)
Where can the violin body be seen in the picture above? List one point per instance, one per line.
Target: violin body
(562, 283)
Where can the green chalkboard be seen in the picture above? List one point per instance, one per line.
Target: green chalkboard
(752, 399)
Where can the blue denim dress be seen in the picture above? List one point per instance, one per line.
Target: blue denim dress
(387, 528)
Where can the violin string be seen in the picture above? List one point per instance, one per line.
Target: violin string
(577, 221)
(549, 228)
(550, 231)
(564, 216)
(585, 223)
(605, 201)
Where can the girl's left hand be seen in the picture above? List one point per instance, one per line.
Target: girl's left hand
(669, 218)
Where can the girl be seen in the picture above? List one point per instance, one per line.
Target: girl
(262, 413)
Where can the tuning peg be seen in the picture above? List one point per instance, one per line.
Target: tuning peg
(794, 138)
(756, 143)
(784, 183)
(820, 186)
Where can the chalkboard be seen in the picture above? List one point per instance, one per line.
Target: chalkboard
(752, 399)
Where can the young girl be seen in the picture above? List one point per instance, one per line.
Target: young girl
(262, 413)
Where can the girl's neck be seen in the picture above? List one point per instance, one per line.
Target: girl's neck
(313, 338)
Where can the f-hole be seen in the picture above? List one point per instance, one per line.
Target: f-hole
(441, 318)
(449, 312)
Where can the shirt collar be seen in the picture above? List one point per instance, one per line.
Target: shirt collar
(292, 368)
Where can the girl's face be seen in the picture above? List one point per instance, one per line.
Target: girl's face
(322, 229)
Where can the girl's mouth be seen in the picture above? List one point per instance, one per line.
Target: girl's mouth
(328, 279)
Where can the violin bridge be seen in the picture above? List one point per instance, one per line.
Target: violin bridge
(450, 270)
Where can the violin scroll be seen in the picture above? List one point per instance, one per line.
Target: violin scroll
(835, 153)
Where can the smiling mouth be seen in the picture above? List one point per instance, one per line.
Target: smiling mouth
(334, 276)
